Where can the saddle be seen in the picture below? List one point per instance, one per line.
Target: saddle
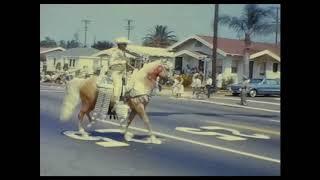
(103, 108)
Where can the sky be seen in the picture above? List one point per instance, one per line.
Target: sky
(62, 21)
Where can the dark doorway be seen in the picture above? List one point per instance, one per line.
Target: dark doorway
(178, 64)
(201, 66)
(250, 69)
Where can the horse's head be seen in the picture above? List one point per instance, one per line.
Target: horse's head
(167, 67)
(161, 68)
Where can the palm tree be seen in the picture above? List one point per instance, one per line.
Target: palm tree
(160, 37)
(253, 21)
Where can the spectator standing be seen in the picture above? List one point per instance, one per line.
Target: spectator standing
(244, 91)
(209, 85)
(219, 81)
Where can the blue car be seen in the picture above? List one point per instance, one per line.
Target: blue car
(258, 87)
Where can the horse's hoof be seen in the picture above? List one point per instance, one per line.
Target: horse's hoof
(83, 133)
(128, 136)
(155, 140)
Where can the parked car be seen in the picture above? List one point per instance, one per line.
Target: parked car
(258, 87)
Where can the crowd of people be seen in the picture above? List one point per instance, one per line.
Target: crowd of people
(199, 84)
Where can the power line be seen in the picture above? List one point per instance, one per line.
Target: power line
(129, 27)
(86, 22)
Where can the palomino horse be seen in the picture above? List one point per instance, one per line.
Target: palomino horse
(138, 96)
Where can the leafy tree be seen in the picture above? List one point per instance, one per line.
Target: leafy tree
(253, 21)
(48, 43)
(102, 45)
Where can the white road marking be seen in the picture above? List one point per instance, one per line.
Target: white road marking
(121, 131)
(111, 143)
(107, 142)
(244, 127)
(273, 120)
(202, 144)
(262, 102)
(74, 135)
(236, 132)
(109, 130)
(231, 105)
(210, 133)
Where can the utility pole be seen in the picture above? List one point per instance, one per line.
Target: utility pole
(86, 22)
(277, 25)
(214, 48)
(129, 27)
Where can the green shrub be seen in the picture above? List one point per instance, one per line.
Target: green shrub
(226, 82)
(187, 80)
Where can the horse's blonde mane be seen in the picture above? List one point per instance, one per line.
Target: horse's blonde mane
(147, 68)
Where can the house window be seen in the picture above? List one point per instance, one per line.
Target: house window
(58, 66)
(70, 62)
(65, 67)
(234, 67)
(275, 67)
(74, 61)
(263, 69)
(54, 61)
(198, 44)
(219, 69)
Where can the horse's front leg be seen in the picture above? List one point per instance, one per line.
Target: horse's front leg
(127, 135)
(143, 115)
(91, 122)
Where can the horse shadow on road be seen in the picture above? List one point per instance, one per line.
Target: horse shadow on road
(119, 136)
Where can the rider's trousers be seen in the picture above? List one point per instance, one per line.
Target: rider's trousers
(117, 83)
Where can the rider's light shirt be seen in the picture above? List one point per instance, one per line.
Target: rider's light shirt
(117, 60)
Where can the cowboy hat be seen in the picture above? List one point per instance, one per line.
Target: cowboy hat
(122, 40)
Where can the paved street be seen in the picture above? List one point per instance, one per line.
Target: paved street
(198, 138)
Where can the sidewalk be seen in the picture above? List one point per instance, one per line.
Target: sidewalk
(188, 93)
(219, 98)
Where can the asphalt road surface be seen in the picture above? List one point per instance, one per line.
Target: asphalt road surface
(197, 139)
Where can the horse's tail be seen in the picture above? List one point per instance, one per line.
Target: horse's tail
(71, 99)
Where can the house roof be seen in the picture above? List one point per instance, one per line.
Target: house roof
(75, 52)
(193, 54)
(232, 46)
(141, 50)
(46, 50)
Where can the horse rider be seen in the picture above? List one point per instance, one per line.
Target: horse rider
(116, 68)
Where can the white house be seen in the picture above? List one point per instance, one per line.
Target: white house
(196, 51)
(44, 52)
(78, 61)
